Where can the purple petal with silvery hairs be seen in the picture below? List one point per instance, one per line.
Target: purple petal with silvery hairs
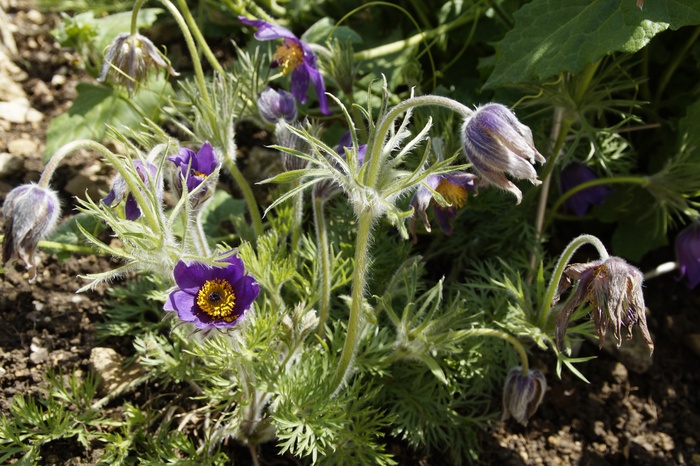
(206, 161)
(267, 31)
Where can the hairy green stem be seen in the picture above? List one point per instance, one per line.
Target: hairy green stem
(563, 261)
(325, 265)
(197, 33)
(352, 338)
(374, 151)
(297, 216)
(135, 15)
(639, 180)
(247, 193)
(192, 48)
(488, 332)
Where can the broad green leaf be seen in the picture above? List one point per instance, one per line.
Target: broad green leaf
(325, 29)
(553, 36)
(95, 107)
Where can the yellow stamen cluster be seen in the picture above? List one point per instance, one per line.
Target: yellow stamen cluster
(289, 56)
(216, 298)
(452, 193)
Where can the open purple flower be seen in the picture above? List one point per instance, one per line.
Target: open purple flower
(574, 174)
(212, 297)
(31, 212)
(453, 188)
(688, 254)
(522, 394)
(496, 143)
(295, 57)
(146, 171)
(195, 167)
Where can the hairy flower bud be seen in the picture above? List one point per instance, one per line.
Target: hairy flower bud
(688, 254)
(575, 174)
(146, 171)
(522, 394)
(496, 143)
(130, 58)
(277, 105)
(195, 168)
(613, 288)
(31, 213)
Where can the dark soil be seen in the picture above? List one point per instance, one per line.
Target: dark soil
(619, 418)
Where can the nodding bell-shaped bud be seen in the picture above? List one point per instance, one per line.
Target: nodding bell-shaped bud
(31, 212)
(277, 105)
(688, 254)
(120, 189)
(130, 58)
(496, 143)
(287, 138)
(574, 174)
(522, 394)
(195, 168)
(613, 289)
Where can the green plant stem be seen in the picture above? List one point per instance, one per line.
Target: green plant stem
(639, 180)
(325, 265)
(63, 247)
(671, 68)
(134, 16)
(297, 216)
(563, 261)
(374, 151)
(113, 159)
(247, 193)
(364, 230)
(400, 45)
(488, 332)
(200, 239)
(197, 33)
(192, 48)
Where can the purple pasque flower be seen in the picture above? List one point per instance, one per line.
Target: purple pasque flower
(522, 394)
(574, 174)
(195, 168)
(277, 105)
(31, 212)
(453, 187)
(496, 143)
(613, 289)
(130, 58)
(212, 297)
(295, 57)
(688, 254)
(146, 171)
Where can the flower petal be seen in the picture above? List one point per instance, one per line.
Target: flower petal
(320, 88)
(300, 83)
(267, 31)
(246, 289)
(183, 303)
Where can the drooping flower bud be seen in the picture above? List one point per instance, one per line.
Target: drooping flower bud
(31, 212)
(277, 105)
(613, 289)
(574, 174)
(146, 171)
(688, 254)
(496, 143)
(130, 58)
(195, 168)
(522, 394)
(287, 138)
